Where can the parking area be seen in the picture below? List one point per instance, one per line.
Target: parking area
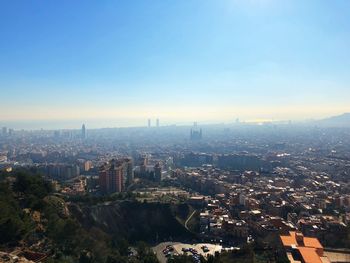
(159, 251)
(169, 249)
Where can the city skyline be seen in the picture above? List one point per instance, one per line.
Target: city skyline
(210, 61)
(181, 131)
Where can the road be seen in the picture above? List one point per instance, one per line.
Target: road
(188, 220)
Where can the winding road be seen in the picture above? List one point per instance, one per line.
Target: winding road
(188, 220)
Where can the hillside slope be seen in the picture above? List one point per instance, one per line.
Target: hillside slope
(133, 221)
(336, 121)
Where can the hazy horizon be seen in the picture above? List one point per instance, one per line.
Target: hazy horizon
(179, 61)
(137, 122)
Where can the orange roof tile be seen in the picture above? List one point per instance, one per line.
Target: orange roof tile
(288, 241)
(309, 255)
(308, 248)
(308, 241)
(312, 242)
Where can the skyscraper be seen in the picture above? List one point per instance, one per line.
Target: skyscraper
(149, 123)
(157, 122)
(83, 132)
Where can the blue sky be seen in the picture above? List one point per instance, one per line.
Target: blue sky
(178, 60)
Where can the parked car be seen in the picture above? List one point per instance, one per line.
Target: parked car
(170, 248)
(185, 249)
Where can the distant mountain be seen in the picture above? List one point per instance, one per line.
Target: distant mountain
(336, 121)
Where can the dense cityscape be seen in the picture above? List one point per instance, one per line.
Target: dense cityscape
(186, 131)
(273, 192)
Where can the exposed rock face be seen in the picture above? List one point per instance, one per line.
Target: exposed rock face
(132, 220)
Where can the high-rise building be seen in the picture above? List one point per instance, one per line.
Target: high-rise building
(103, 179)
(83, 132)
(149, 123)
(4, 131)
(111, 177)
(143, 164)
(157, 122)
(129, 171)
(87, 166)
(196, 135)
(158, 172)
(117, 178)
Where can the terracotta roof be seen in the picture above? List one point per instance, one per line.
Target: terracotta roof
(307, 248)
(308, 241)
(309, 255)
(288, 241)
(312, 242)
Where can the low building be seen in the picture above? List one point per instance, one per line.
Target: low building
(303, 249)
